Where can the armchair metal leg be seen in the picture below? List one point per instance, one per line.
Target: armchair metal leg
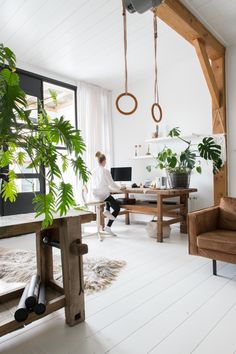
(214, 267)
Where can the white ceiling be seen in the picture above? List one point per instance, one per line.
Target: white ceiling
(83, 39)
(218, 15)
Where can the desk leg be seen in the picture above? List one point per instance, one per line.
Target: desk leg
(159, 219)
(127, 217)
(184, 213)
(72, 269)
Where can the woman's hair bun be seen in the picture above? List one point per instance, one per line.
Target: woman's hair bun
(98, 154)
(100, 157)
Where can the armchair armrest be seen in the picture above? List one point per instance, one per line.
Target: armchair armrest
(201, 221)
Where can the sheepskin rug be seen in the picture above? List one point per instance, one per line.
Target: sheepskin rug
(17, 266)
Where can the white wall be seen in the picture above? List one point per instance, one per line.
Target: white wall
(231, 113)
(186, 103)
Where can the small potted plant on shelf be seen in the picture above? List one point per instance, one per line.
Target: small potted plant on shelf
(22, 140)
(179, 165)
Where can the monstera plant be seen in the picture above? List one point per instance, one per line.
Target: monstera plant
(21, 140)
(180, 165)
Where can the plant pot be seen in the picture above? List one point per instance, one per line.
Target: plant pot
(178, 180)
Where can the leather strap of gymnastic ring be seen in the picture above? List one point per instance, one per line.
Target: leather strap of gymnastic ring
(125, 45)
(156, 93)
(126, 93)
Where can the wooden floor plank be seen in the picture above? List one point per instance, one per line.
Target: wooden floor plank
(155, 300)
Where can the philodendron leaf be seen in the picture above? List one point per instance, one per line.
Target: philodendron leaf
(20, 158)
(217, 164)
(45, 205)
(65, 198)
(11, 78)
(9, 189)
(5, 157)
(199, 169)
(53, 95)
(174, 132)
(208, 149)
(6, 55)
(172, 161)
(65, 163)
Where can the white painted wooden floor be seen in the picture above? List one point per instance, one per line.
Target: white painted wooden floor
(164, 302)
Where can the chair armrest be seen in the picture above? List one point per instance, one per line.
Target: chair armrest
(201, 221)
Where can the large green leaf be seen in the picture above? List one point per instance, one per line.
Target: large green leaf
(9, 190)
(188, 159)
(7, 56)
(45, 205)
(208, 149)
(79, 166)
(10, 77)
(65, 198)
(175, 132)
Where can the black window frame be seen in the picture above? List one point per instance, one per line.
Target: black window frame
(52, 81)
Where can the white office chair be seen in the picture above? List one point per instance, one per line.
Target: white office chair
(98, 210)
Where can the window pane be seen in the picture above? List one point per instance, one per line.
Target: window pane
(32, 104)
(22, 169)
(65, 102)
(27, 185)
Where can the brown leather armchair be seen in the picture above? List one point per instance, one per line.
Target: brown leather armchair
(212, 232)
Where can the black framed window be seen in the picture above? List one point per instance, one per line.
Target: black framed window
(29, 182)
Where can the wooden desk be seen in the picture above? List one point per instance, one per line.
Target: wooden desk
(67, 231)
(176, 213)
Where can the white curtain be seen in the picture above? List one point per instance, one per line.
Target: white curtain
(95, 122)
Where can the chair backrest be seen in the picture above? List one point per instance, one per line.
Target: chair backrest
(85, 195)
(227, 218)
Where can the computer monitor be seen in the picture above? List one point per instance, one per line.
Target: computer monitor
(121, 174)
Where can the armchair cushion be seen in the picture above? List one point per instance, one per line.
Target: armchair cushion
(218, 240)
(227, 219)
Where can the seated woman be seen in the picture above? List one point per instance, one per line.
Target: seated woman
(102, 184)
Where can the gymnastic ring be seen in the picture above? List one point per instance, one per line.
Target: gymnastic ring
(134, 99)
(153, 113)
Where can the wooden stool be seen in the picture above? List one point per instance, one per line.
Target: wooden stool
(99, 207)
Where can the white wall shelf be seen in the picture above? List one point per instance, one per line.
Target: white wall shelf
(163, 140)
(144, 157)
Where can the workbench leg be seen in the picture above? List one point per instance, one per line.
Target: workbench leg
(184, 213)
(159, 219)
(72, 270)
(44, 257)
(127, 215)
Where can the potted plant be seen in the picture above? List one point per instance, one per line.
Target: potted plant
(180, 165)
(22, 140)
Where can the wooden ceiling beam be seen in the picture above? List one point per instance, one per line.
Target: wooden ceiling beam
(180, 19)
(207, 71)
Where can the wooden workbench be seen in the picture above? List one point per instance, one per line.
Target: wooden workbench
(67, 231)
(176, 213)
